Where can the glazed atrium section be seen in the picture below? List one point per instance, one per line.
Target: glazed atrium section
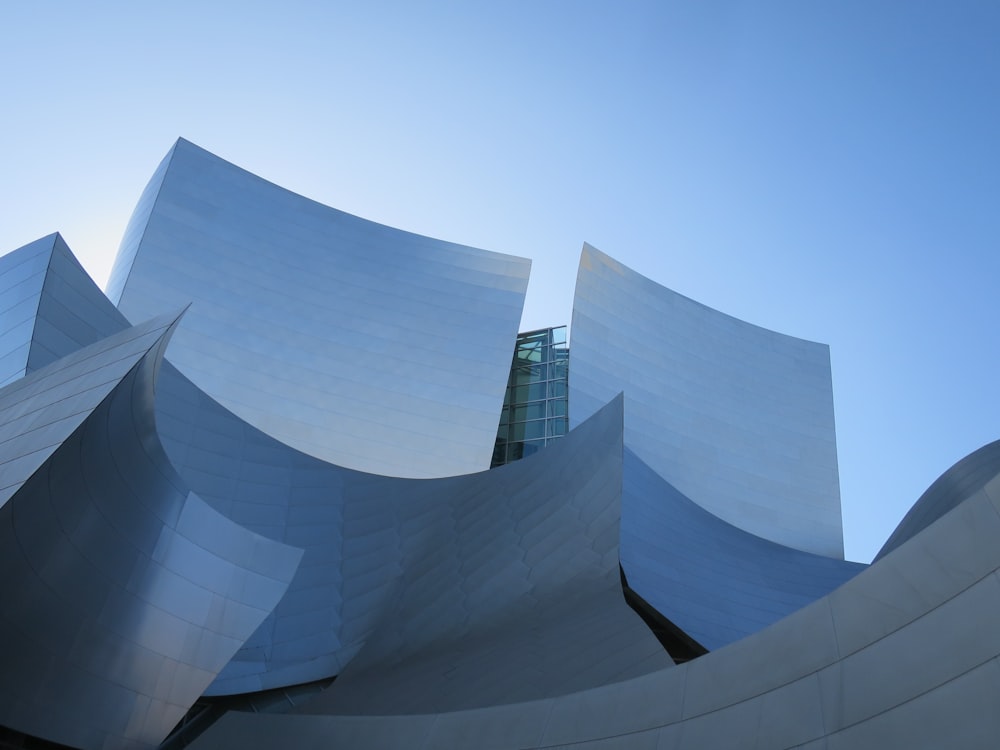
(536, 403)
(241, 477)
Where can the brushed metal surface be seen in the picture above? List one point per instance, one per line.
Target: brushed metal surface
(736, 417)
(363, 345)
(124, 594)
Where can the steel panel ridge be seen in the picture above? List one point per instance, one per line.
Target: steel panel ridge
(363, 345)
(736, 417)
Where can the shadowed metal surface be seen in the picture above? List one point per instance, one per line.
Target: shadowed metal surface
(363, 345)
(364, 537)
(50, 307)
(22, 274)
(337, 595)
(124, 594)
(507, 586)
(906, 654)
(481, 610)
(714, 581)
(737, 418)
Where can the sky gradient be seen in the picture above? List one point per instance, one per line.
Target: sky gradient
(830, 170)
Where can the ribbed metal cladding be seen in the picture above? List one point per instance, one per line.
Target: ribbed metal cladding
(363, 345)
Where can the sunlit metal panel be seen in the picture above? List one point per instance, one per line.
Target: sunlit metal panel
(124, 594)
(736, 417)
(360, 344)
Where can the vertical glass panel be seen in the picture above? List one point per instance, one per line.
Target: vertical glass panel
(536, 399)
(535, 410)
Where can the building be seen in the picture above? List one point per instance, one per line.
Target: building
(260, 461)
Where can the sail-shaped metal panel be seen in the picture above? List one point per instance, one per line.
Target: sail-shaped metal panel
(736, 417)
(124, 593)
(360, 344)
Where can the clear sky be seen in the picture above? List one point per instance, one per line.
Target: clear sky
(827, 169)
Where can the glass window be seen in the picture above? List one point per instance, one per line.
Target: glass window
(534, 410)
(557, 427)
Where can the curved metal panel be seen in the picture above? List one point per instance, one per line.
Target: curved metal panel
(363, 345)
(962, 480)
(40, 411)
(50, 307)
(124, 594)
(737, 418)
(122, 266)
(906, 654)
(22, 275)
(507, 587)
(72, 310)
(283, 494)
(716, 582)
(364, 535)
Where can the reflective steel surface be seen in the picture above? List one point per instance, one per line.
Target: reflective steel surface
(22, 275)
(360, 344)
(504, 587)
(963, 479)
(359, 533)
(713, 580)
(124, 594)
(906, 654)
(737, 418)
(163, 540)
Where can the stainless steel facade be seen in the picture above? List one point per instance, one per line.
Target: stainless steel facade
(715, 581)
(159, 549)
(124, 593)
(906, 654)
(360, 344)
(737, 418)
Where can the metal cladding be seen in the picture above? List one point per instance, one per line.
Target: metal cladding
(45, 315)
(713, 580)
(906, 654)
(960, 481)
(365, 346)
(124, 594)
(489, 548)
(506, 588)
(738, 418)
(177, 534)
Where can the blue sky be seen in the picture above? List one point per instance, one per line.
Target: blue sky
(830, 170)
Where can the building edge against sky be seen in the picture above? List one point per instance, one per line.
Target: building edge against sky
(736, 417)
(304, 316)
(258, 564)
